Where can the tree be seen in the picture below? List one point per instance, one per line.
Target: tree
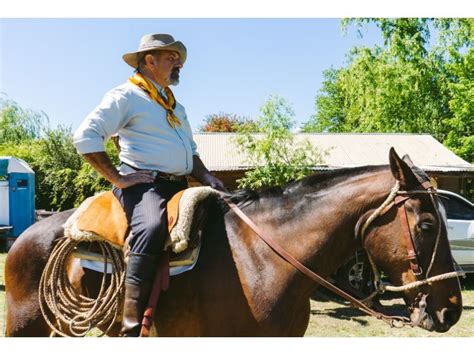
(276, 156)
(407, 85)
(63, 178)
(226, 122)
(18, 125)
(460, 137)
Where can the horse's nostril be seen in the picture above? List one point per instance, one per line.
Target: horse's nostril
(449, 316)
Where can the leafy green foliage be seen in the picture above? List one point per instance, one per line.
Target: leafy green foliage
(226, 122)
(460, 137)
(275, 153)
(410, 84)
(63, 178)
(18, 125)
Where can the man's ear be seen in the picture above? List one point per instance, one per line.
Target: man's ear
(401, 170)
(150, 59)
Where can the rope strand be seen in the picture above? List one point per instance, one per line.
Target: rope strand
(69, 313)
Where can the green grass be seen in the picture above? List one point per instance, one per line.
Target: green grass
(331, 317)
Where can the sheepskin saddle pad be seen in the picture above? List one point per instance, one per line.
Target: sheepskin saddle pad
(101, 218)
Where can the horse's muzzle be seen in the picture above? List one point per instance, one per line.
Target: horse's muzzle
(441, 322)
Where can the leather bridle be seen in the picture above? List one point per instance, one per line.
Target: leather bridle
(395, 198)
(398, 199)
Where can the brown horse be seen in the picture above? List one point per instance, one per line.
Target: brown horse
(241, 287)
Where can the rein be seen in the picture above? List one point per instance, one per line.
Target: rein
(396, 197)
(391, 320)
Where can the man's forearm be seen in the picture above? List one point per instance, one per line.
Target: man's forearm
(201, 174)
(101, 162)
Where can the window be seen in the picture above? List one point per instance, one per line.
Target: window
(457, 208)
(22, 183)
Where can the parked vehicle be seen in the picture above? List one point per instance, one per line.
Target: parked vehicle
(356, 274)
(460, 214)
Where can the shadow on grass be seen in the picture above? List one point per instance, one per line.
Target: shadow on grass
(351, 314)
(342, 310)
(354, 314)
(323, 295)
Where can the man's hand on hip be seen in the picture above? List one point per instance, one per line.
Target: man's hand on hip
(101, 162)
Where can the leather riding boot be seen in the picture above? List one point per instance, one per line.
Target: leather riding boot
(138, 283)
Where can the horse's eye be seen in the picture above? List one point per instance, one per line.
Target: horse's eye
(426, 226)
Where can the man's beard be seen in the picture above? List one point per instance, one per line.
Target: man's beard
(174, 77)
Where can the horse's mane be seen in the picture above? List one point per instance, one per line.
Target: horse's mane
(313, 182)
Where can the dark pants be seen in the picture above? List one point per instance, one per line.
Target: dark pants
(145, 208)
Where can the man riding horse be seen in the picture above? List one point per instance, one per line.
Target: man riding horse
(157, 151)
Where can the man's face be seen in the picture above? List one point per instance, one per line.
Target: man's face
(167, 65)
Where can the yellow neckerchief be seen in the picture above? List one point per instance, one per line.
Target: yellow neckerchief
(146, 85)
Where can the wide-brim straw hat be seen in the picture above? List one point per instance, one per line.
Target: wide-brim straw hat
(151, 42)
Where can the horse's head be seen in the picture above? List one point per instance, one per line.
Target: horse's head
(407, 240)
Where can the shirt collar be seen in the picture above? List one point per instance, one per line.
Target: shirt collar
(159, 88)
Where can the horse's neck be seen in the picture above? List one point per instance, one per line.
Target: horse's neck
(328, 230)
(317, 228)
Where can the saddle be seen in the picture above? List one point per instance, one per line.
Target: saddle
(101, 218)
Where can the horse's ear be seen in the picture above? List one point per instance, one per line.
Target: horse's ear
(401, 170)
(406, 158)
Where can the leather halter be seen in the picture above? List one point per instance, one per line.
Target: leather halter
(412, 256)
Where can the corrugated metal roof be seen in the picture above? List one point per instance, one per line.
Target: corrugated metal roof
(219, 151)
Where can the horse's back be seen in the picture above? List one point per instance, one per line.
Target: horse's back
(23, 268)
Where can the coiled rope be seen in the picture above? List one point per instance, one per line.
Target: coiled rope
(69, 313)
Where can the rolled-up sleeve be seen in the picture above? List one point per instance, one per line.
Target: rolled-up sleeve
(104, 121)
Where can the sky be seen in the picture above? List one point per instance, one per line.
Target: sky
(64, 66)
(61, 57)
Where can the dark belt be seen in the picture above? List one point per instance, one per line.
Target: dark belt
(160, 174)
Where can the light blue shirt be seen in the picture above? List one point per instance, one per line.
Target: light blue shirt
(147, 141)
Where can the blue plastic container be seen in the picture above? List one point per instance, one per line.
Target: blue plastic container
(17, 197)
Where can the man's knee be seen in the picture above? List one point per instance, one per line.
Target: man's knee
(153, 229)
(149, 236)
